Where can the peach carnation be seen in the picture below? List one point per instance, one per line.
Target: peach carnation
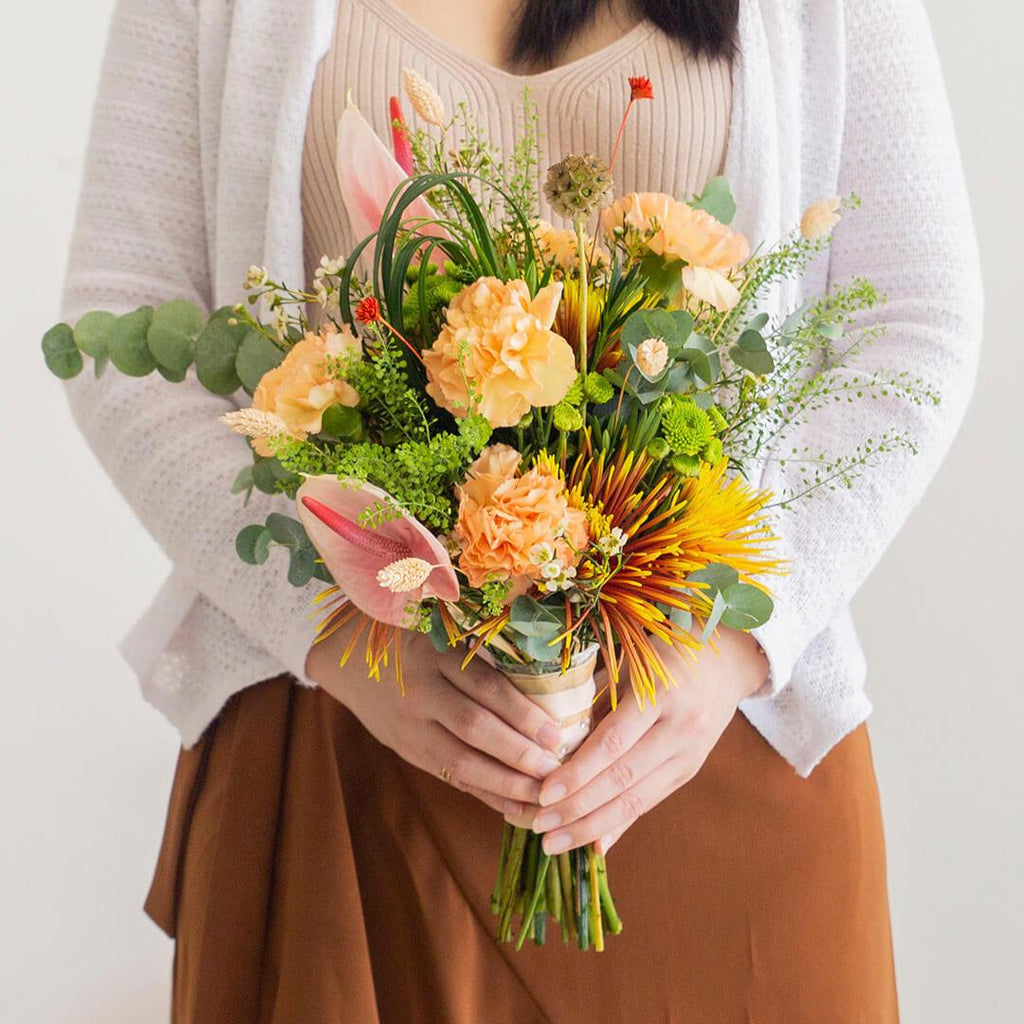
(675, 229)
(497, 354)
(503, 517)
(302, 388)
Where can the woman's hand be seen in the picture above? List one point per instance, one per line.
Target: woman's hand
(634, 759)
(470, 727)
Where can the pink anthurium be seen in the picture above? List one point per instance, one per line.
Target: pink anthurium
(381, 571)
(400, 135)
(368, 176)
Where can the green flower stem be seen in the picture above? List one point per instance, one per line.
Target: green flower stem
(511, 883)
(541, 870)
(596, 931)
(554, 895)
(584, 303)
(568, 903)
(611, 915)
(499, 881)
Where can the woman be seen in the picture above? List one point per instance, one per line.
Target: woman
(318, 865)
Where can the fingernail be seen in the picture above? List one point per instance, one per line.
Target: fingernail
(552, 794)
(549, 735)
(558, 843)
(547, 765)
(547, 821)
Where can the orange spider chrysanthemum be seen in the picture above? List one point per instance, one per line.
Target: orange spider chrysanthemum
(672, 529)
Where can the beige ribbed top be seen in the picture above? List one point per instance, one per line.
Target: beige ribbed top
(674, 144)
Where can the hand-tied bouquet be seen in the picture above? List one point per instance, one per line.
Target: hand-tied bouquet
(523, 439)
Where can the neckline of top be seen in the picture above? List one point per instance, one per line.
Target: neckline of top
(413, 30)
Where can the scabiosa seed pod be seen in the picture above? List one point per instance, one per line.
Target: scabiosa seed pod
(578, 186)
(423, 97)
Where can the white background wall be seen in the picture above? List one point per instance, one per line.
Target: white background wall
(85, 765)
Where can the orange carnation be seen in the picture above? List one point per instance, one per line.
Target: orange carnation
(504, 518)
(301, 388)
(676, 229)
(497, 354)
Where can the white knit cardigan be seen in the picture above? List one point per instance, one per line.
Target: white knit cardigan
(193, 173)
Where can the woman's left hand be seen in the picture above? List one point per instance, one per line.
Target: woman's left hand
(634, 759)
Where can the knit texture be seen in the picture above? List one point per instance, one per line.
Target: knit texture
(194, 171)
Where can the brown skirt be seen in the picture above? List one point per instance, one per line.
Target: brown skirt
(310, 876)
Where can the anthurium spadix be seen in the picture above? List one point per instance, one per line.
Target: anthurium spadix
(383, 570)
(368, 176)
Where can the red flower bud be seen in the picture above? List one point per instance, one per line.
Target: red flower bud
(640, 88)
(368, 310)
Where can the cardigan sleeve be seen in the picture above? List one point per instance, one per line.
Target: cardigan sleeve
(914, 239)
(140, 237)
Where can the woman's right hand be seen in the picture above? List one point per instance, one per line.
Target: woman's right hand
(469, 726)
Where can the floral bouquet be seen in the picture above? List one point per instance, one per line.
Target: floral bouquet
(524, 440)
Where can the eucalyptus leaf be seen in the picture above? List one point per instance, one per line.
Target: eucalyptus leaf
(61, 353)
(718, 577)
(748, 606)
(244, 483)
(270, 477)
(681, 618)
(829, 329)
(127, 344)
(301, 566)
(718, 609)
(649, 323)
(172, 335)
(321, 572)
(751, 353)
(91, 332)
(256, 355)
(286, 530)
(174, 376)
(717, 200)
(253, 544)
(216, 355)
(759, 323)
(531, 618)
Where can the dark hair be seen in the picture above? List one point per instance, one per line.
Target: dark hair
(546, 26)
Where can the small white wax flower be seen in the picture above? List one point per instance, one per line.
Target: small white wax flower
(651, 356)
(404, 574)
(541, 553)
(281, 322)
(551, 571)
(423, 97)
(256, 277)
(820, 218)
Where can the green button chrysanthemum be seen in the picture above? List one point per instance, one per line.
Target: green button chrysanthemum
(684, 425)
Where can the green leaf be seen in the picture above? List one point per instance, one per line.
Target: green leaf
(270, 477)
(216, 355)
(321, 572)
(748, 606)
(286, 530)
(174, 376)
(256, 355)
(91, 332)
(243, 483)
(301, 566)
(531, 618)
(61, 353)
(718, 609)
(829, 329)
(172, 336)
(127, 344)
(717, 577)
(703, 357)
(717, 200)
(751, 353)
(681, 618)
(649, 323)
(253, 544)
(342, 423)
(438, 634)
(759, 323)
